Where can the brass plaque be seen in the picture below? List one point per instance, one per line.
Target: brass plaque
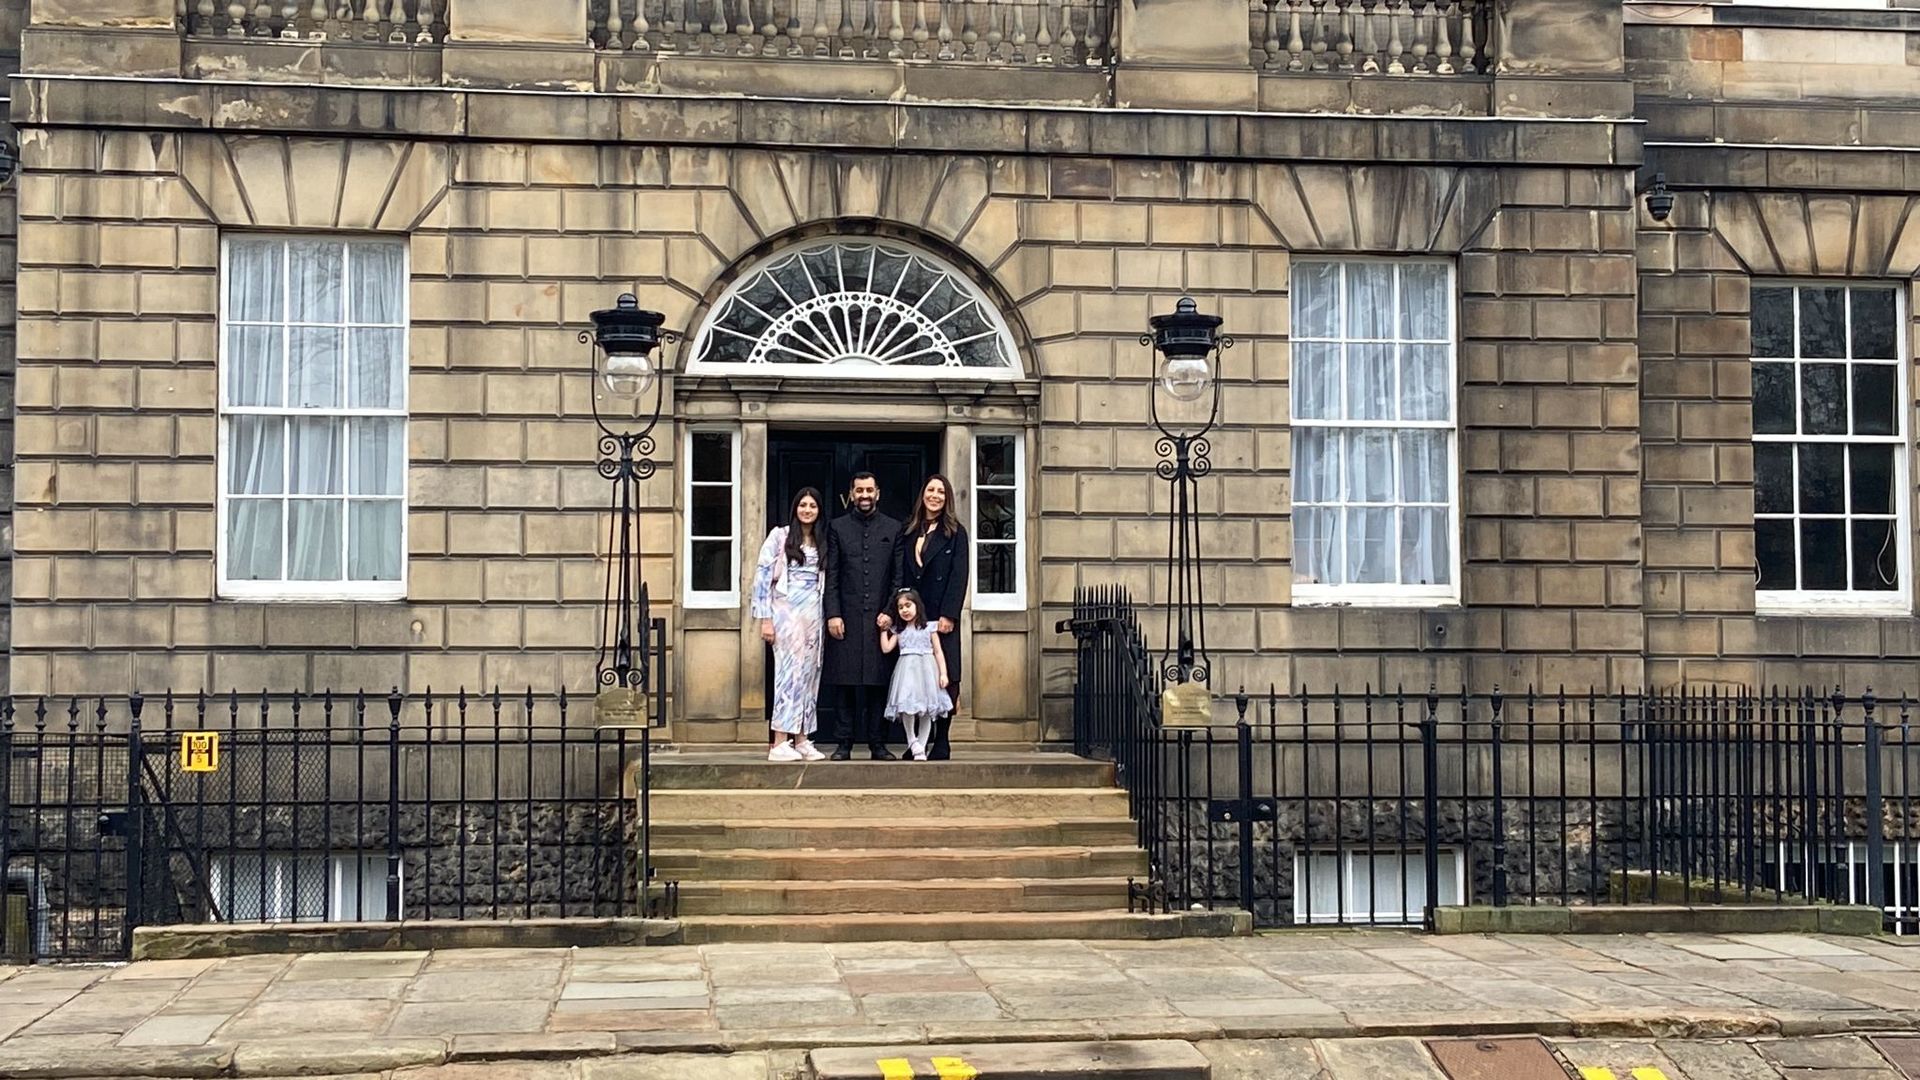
(620, 707)
(1186, 705)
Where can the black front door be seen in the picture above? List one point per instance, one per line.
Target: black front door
(901, 462)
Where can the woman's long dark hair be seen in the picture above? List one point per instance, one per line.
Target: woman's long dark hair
(796, 553)
(917, 521)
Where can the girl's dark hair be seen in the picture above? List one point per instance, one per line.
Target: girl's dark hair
(796, 552)
(919, 606)
(918, 519)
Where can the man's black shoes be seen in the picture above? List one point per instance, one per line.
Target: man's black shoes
(881, 753)
(841, 753)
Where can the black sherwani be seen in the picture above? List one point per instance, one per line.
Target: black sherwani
(939, 575)
(859, 565)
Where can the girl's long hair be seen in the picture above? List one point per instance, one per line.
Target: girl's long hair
(918, 520)
(919, 607)
(796, 552)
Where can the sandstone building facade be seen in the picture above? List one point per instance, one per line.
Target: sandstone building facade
(299, 401)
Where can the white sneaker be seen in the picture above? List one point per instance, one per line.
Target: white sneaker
(809, 752)
(784, 752)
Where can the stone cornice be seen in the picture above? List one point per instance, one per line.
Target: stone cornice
(1723, 166)
(522, 116)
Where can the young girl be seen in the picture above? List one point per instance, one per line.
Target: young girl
(918, 695)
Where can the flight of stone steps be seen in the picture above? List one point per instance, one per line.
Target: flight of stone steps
(996, 844)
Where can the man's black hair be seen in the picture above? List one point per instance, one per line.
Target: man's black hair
(859, 476)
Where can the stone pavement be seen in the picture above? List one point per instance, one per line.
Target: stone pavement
(278, 1015)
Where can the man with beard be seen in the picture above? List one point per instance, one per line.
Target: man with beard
(859, 571)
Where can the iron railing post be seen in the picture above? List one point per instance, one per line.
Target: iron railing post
(1500, 808)
(1876, 826)
(1430, 801)
(1244, 811)
(393, 804)
(136, 827)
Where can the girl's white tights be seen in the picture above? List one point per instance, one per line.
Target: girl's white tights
(919, 728)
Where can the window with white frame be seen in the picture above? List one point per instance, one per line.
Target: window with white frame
(1374, 484)
(1377, 887)
(313, 408)
(1829, 448)
(999, 515)
(283, 887)
(713, 518)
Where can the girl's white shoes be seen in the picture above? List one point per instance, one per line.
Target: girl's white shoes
(785, 752)
(917, 749)
(808, 751)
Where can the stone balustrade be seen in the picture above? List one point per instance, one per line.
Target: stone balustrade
(1028, 33)
(394, 22)
(1394, 37)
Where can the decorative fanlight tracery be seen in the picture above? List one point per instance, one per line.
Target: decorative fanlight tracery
(855, 307)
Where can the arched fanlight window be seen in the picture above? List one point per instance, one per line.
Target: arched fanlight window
(855, 307)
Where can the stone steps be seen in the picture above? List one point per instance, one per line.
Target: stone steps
(964, 926)
(974, 771)
(713, 804)
(902, 863)
(912, 897)
(757, 835)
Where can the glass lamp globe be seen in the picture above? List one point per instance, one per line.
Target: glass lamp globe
(627, 375)
(1185, 378)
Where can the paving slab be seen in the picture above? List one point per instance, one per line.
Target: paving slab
(1146, 1060)
(340, 1054)
(1263, 1059)
(176, 1030)
(469, 1017)
(1375, 1059)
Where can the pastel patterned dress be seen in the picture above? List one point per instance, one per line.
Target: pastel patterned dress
(790, 595)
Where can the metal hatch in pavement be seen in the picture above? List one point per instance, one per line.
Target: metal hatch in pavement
(1496, 1059)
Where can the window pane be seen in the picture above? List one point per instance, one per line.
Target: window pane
(1823, 399)
(1316, 380)
(1772, 322)
(1316, 299)
(1874, 327)
(378, 286)
(1774, 552)
(1823, 554)
(253, 539)
(1823, 322)
(1426, 390)
(378, 454)
(1371, 555)
(255, 363)
(1370, 382)
(1425, 553)
(1424, 472)
(256, 455)
(1876, 562)
(373, 540)
(1425, 302)
(1872, 479)
(994, 460)
(1873, 399)
(1821, 468)
(314, 292)
(314, 456)
(313, 540)
(1369, 300)
(712, 565)
(1316, 545)
(1369, 466)
(1316, 465)
(1773, 399)
(712, 512)
(997, 518)
(377, 376)
(255, 288)
(713, 456)
(314, 379)
(1773, 478)
(997, 568)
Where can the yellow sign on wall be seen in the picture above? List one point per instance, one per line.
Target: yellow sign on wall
(200, 751)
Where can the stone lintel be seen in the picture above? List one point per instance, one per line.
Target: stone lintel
(881, 126)
(1796, 169)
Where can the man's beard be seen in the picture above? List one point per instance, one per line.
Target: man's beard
(865, 506)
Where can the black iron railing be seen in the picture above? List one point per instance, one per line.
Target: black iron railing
(140, 811)
(1376, 807)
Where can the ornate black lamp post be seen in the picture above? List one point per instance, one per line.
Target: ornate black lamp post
(626, 335)
(1187, 342)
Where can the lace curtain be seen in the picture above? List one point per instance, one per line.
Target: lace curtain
(315, 397)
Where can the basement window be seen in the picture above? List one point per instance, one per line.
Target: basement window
(278, 886)
(1381, 887)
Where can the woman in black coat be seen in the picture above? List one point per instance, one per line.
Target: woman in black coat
(934, 559)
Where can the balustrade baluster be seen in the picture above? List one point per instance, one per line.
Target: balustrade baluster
(237, 18)
(945, 33)
(203, 16)
(372, 15)
(426, 16)
(845, 35)
(793, 28)
(714, 40)
(1296, 47)
(180, 16)
(1320, 42)
(919, 34)
(1423, 37)
(1065, 44)
(1019, 32)
(1443, 40)
(770, 43)
(289, 18)
(316, 19)
(1369, 45)
(969, 33)
(992, 47)
(396, 22)
(1468, 53)
(1343, 41)
(872, 31)
(1094, 38)
(1042, 41)
(1394, 64)
(744, 29)
(609, 29)
(896, 32)
(1270, 35)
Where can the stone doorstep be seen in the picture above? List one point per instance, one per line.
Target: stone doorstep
(237, 939)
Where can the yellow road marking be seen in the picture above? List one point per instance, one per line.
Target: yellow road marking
(1648, 1072)
(898, 1068)
(953, 1068)
(1588, 1072)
